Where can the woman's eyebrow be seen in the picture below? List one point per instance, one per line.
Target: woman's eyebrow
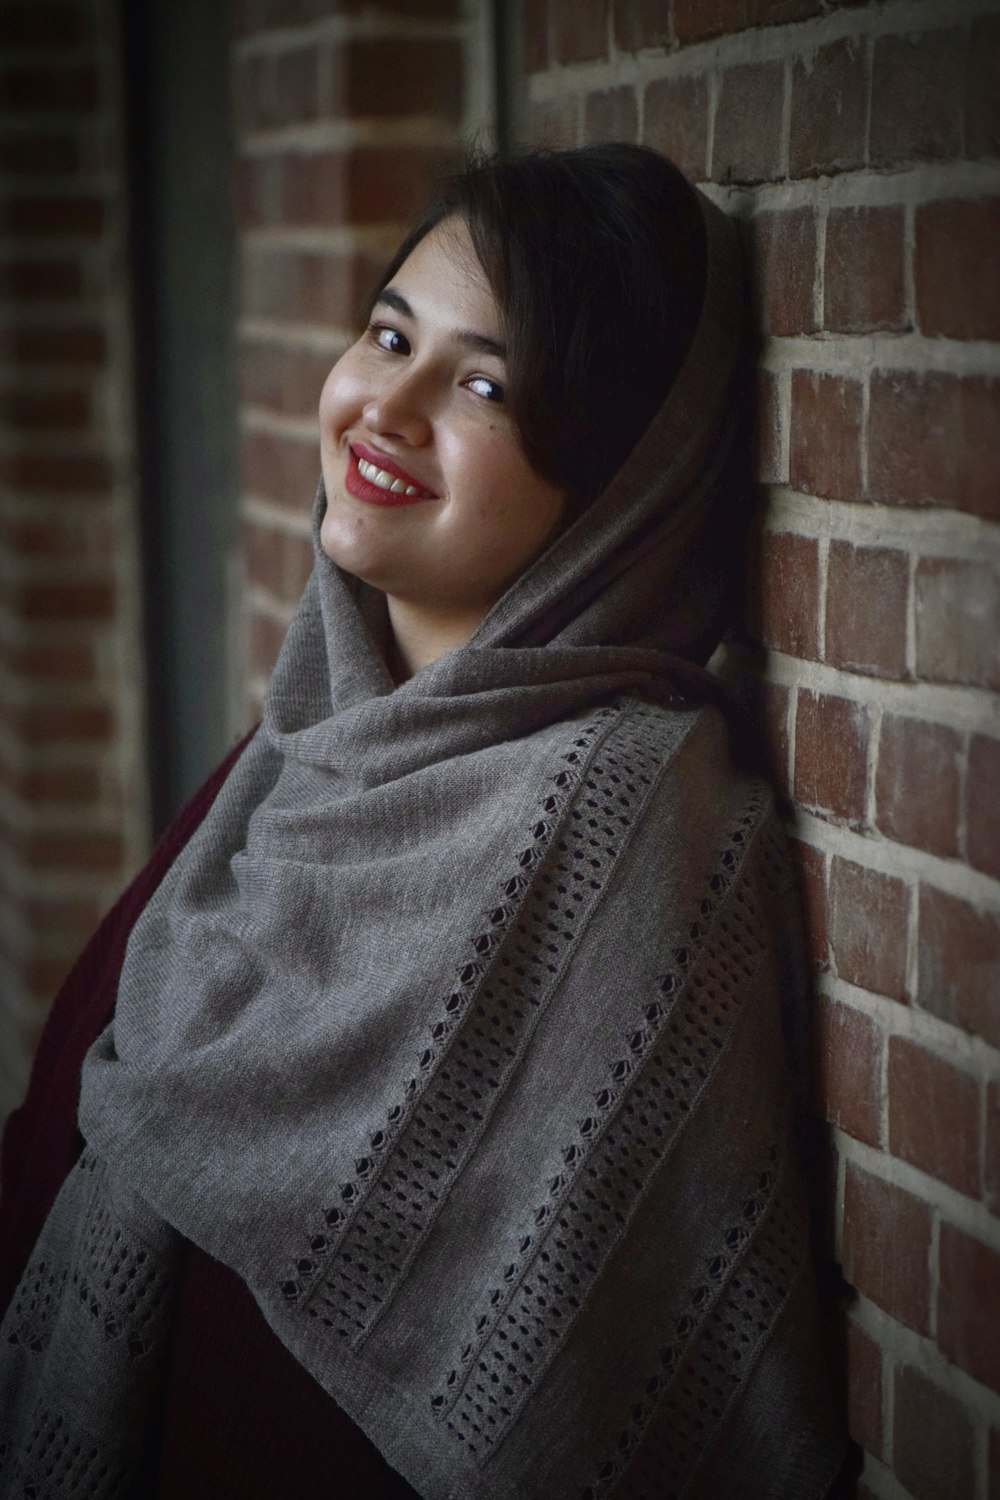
(478, 342)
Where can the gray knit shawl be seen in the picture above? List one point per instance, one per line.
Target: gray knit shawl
(457, 1032)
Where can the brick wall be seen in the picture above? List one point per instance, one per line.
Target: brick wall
(859, 144)
(345, 112)
(72, 819)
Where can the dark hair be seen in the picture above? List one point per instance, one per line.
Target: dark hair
(597, 260)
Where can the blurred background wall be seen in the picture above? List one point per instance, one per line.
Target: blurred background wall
(191, 206)
(74, 793)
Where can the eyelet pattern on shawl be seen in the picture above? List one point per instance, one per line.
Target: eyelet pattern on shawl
(458, 1032)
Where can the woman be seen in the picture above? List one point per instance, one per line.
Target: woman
(453, 1036)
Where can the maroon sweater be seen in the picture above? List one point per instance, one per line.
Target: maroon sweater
(239, 1417)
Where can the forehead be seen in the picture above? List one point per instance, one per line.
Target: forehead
(443, 278)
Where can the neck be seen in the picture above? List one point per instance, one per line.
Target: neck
(420, 635)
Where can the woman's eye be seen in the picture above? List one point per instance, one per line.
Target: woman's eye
(490, 390)
(389, 339)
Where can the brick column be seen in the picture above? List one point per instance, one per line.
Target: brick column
(345, 114)
(72, 817)
(859, 145)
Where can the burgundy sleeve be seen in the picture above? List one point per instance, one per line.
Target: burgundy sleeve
(41, 1141)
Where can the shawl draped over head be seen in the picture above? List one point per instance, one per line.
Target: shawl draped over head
(458, 1031)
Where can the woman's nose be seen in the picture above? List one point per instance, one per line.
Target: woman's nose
(401, 407)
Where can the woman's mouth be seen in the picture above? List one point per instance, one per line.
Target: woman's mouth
(377, 486)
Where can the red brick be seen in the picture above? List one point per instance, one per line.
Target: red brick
(773, 706)
(301, 12)
(81, 473)
(307, 286)
(917, 89)
(76, 785)
(863, 286)
(78, 724)
(826, 435)
(298, 566)
(46, 911)
(81, 600)
(932, 1444)
(917, 784)
(285, 380)
(71, 660)
(887, 1234)
(786, 594)
(282, 89)
(747, 141)
(931, 440)
(676, 122)
(37, 89)
(957, 270)
(959, 963)
(769, 464)
(695, 19)
(25, 537)
(982, 95)
(40, 280)
(991, 1150)
(781, 12)
(611, 115)
(829, 101)
(266, 636)
(868, 922)
(277, 563)
(864, 1390)
(245, 17)
(847, 1069)
(934, 1115)
(263, 555)
(81, 216)
(280, 469)
(260, 190)
(552, 122)
(33, 24)
(975, 451)
(969, 1305)
(958, 621)
(811, 864)
(39, 154)
(784, 267)
(71, 849)
(426, 77)
(579, 33)
(982, 804)
(366, 184)
(37, 344)
(639, 24)
(535, 23)
(50, 410)
(831, 755)
(866, 598)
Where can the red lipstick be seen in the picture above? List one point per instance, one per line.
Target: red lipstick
(362, 489)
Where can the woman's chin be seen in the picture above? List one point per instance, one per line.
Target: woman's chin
(353, 557)
(339, 539)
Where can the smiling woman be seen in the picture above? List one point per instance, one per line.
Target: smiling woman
(430, 495)
(444, 1139)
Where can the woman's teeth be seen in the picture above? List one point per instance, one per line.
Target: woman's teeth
(384, 481)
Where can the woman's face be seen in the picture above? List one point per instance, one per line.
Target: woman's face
(418, 403)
